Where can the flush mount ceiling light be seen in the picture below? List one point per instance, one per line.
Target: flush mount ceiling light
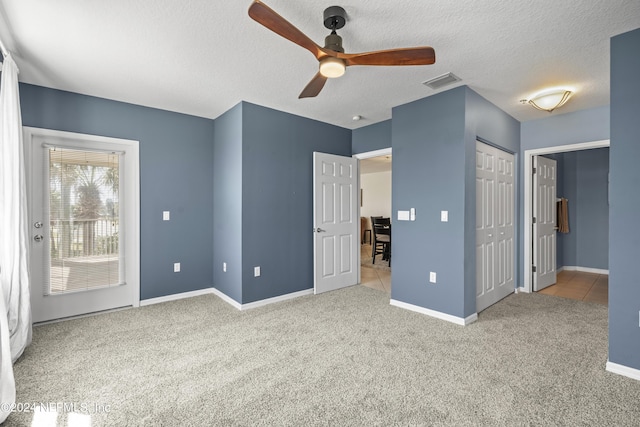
(549, 99)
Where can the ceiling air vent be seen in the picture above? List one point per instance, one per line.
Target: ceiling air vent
(442, 81)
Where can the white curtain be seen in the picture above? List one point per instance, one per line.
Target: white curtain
(15, 329)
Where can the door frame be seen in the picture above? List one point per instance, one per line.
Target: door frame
(132, 197)
(528, 194)
(361, 156)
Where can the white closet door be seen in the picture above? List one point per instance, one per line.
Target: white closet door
(494, 225)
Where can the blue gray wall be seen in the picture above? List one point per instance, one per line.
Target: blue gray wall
(583, 180)
(429, 175)
(371, 138)
(554, 131)
(227, 207)
(591, 209)
(434, 169)
(624, 233)
(263, 199)
(277, 197)
(175, 175)
(486, 122)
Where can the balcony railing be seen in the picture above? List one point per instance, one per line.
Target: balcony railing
(83, 237)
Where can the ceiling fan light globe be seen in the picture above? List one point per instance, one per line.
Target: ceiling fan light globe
(331, 67)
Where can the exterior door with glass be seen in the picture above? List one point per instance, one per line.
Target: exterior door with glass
(83, 211)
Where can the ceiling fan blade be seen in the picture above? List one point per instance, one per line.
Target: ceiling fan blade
(314, 87)
(264, 15)
(408, 56)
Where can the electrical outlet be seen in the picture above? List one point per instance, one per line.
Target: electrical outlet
(432, 277)
(444, 216)
(176, 267)
(166, 215)
(224, 267)
(256, 271)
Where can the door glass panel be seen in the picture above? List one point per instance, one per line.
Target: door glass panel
(84, 216)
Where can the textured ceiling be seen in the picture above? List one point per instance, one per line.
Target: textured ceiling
(202, 57)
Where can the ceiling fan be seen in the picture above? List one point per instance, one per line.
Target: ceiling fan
(333, 60)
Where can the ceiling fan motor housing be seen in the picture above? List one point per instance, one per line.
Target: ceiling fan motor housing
(333, 42)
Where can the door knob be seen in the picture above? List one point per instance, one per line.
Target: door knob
(320, 230)
(37, 224)
(38, 237)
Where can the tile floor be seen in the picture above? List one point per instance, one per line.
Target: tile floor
(377, 277)
(578, 285)
(589, 287)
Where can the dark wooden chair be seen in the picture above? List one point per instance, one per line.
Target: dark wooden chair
(381, 238)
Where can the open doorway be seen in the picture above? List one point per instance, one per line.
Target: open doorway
(375, 201)
(581, 255)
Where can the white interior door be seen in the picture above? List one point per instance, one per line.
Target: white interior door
(494, 225)
(335, 222)
(544, 222)
(84, 216)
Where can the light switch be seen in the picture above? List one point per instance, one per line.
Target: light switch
(403, 215)
(256, 271)
(412, 214)
(444, 216)
(176, 267)
(432, 276)
(166, 215)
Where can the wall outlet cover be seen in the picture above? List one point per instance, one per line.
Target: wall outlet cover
(256, 271)
(432, 277)
(176, 267)
(166, 215)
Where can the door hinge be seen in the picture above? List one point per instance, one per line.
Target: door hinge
(534, 170)
(533, 268)
(534, 219)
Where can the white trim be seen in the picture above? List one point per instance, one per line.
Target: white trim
(361, 156)
(260, 303)
(81, 316)
(528, 155)
(175, 297)
(279, 298)
(371, 154)
(437, 314)
(131, 170)
(584, 269)
(625, 371)
(224, 297)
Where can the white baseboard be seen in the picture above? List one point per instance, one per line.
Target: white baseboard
(174, 297)
(583, 269)
(437, 314)
(522, 289)
(260, 303)
(226, 298)
(623, 370)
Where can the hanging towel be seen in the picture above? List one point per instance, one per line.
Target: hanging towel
(563, 215)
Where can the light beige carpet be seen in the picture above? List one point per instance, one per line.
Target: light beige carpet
(341, 358)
